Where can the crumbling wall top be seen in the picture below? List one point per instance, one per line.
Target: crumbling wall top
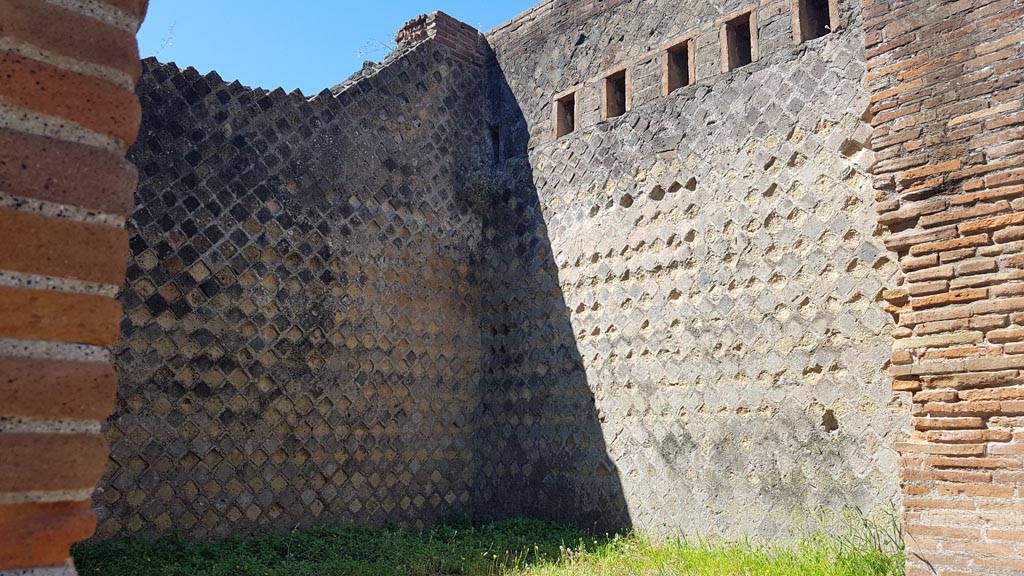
(465, 42)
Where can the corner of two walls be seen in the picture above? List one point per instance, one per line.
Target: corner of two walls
(288, 330)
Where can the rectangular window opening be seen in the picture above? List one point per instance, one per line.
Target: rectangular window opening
(565, 115)
(616, 95)
(815, 19)
(739, 43)
(678, 72)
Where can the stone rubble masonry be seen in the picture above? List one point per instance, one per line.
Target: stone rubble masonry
(947, 85)
(68, 113)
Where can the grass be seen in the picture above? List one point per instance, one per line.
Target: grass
(514, 548)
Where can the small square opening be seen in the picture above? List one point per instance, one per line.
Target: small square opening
(678, 69)
(739, 41)
(565, 115)
(616, 95)
(814, 19)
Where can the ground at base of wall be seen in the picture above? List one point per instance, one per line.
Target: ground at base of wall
(514, 548)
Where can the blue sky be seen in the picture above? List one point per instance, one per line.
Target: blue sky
(306, 44)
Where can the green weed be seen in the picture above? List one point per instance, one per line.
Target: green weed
(514, 548)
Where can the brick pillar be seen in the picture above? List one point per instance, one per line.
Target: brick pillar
(68, 114)
(462, 40)
(947, 83)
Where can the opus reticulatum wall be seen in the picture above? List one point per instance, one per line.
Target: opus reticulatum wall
(300, 342)
(722, 268)
(613, 263)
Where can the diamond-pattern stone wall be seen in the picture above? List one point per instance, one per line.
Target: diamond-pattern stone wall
(300, 342)
(340, 311)
(698, 281)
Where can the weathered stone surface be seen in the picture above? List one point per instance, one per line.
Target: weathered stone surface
(694, 287)
(357, 307)
(300, 343)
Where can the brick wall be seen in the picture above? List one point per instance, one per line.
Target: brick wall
(946, 81)
(67, 115)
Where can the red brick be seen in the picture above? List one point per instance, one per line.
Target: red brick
(62, 248)
(929, 170)
(51, 462)
(992, 223)
(1008, 289)
(994, 363)
(961, 408)
(935, 315)
(968, 436)
(1008, 335)
(954, 244)
(929, 274)
(906, 385)
(1011, 234)
(66, 173)
(1007, 393)
(51, 390)
(977, 490)
(958, 297)
(1011, 535)
(979, 210)
(69, 34)
(133, 8)
(948, 423)
(1003, 305)
(982, 463)
(910, 264)
(1003, 563)
(975, 380)
(993, 194)
(988, 322)
(957, 476)
(941, 449)
(944, 532)
(59, 317)
(1009, 449)
(962, 352)
(41, 534)
(980, 266)
(90, 102)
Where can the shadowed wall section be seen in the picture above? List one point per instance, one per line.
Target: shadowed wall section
(300, 343)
